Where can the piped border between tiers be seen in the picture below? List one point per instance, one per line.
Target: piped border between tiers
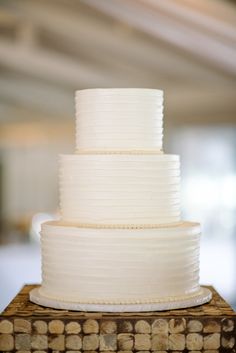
(123, 226)
(132, 152)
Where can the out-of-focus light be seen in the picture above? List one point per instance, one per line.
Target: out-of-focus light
(214, 268)
(201, 191)
(228, 191)
(210, 193)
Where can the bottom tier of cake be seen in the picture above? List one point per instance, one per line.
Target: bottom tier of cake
(120, 266)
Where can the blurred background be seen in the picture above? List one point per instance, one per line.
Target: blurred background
(48, 49)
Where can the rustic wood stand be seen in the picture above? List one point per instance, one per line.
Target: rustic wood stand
(27, 327)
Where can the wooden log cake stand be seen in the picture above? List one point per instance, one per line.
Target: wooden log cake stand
(27, 327)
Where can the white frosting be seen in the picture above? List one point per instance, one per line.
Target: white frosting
(120, 239)
(120, 189)
(120, 119)
(119, 265)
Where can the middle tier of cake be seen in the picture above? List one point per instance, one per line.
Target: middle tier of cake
(120, 189)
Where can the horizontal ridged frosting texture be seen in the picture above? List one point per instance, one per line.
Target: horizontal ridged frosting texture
(120, 189)
(119, 119)
(114, 265)
(120, 238)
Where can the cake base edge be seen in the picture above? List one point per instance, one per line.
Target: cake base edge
(203, 297)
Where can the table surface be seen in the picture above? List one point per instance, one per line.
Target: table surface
(22, 307)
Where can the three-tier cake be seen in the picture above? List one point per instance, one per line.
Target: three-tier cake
(120, 244)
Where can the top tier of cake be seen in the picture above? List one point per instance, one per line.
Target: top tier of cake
(119, 119)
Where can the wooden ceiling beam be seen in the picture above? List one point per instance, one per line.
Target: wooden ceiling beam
(204, 46)
(35, 95)
(50, 66)
(122, 49)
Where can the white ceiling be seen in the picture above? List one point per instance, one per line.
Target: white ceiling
(50, 48)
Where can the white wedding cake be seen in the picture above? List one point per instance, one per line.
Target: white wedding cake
(120, 243)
